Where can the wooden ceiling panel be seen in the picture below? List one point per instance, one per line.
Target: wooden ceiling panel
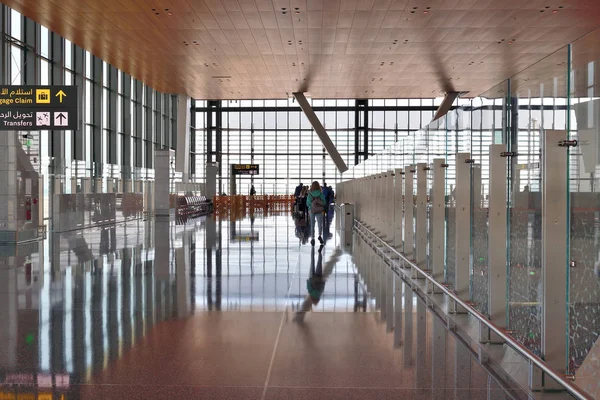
(334, 48)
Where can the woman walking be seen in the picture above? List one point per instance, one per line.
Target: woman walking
(315, 202)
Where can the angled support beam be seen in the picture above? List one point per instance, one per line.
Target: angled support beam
(318, 127)
(446, 104)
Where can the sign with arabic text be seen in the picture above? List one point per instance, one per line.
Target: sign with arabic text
(33, 108)
(38, 96)
(28, 119)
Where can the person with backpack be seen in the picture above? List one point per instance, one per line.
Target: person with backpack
(315, 202)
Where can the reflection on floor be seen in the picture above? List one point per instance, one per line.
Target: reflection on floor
(216, 310)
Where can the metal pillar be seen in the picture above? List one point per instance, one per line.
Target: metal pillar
(438, 216)
(497, 272)
(421, 220)
(554, 256)
(398, 205)
(389, 209)
(463, 227)
(409, 235)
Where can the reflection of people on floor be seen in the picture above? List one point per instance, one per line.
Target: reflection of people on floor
(315, 284)
(302, 229)
(327, 228)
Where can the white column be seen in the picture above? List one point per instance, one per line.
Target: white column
(398, 205)
(162, 163)
(409, 234)
(438, 216)
(182, 164)
(421, 217)
(463, 227)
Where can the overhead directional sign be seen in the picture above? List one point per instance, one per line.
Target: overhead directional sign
(245, 169)
(38, 107)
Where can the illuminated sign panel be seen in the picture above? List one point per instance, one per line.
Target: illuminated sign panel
(26, 108)
(245, 169)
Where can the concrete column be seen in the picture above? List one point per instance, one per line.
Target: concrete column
(162, 163)
(87, 185)
(99, 185)
(182, 163)
(210, 188)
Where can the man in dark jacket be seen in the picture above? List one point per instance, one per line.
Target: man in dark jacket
(298, 190)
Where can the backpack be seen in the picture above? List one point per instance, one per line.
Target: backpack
(317, 206)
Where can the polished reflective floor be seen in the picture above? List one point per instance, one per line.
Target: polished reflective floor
(220, 310)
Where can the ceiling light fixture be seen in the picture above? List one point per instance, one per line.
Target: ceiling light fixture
(425, 12)
(554, 11)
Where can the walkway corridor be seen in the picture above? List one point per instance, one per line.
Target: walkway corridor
(219, 310)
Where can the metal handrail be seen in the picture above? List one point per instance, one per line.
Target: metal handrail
(573, 389)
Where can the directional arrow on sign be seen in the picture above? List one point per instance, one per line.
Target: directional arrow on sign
(61, 117)
(60, 95)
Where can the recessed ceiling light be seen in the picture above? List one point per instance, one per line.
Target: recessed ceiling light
(425, 12)
(169, 13)
(412, 12)
(561, 6)
(414, 8)
(296, 8)
(547, 7)
(283, 8)
(166, 9)
(554, 11)
(283, 12)
(541, 10)
(429, 8)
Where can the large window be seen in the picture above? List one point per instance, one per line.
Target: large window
(277, 135)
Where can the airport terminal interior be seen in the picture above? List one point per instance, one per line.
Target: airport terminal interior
(299, 199)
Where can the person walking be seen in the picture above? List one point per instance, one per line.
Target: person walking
(315, 202)
(252, 191)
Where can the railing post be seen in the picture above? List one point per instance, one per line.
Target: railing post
(463, 228)
(398, 206)
(389, 209)
(554, 255)
(409, 235)
(438, 216)
(421, 220)
(497, 266)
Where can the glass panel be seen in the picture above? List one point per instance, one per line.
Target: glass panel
(524, 275)
(68, 54)
(584, 280)
(44, 39)
(15, 24)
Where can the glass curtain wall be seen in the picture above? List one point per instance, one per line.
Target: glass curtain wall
(557, 93)
(114, 142)
(276, 135)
